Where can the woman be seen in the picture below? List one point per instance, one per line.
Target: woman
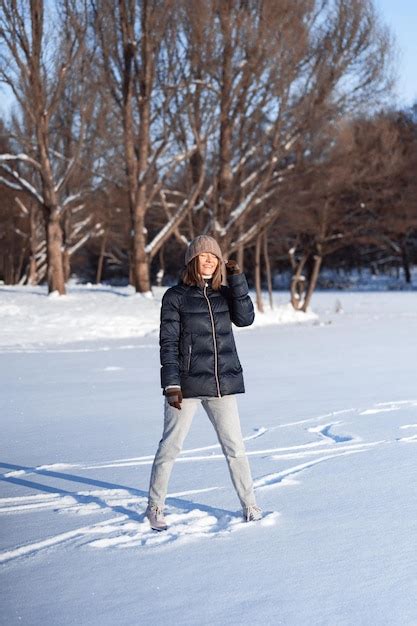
(200, 365)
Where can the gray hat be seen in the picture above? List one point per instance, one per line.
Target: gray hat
(201, 244)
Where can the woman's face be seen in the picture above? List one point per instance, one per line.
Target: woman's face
(207, 263)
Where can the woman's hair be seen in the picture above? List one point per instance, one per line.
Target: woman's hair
(191, 275)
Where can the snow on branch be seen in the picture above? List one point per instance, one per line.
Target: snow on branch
(167, 206)
(66, 175)
(175, 220)
(21, 206)
(256, 173)
(24, 185)
(204, 199)
(178, 158)
(249, 179)
(242, 208)
(173, 192)
(243, 160)
(80, 225)
(80, 243)
(71, 198)
(291, 142)
(264, 197)
(20, 157)
(255, 229)
(9, 184)
(77, 208)
(21, 233)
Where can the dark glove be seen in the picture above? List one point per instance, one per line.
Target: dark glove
(174, 397)
(232, 267)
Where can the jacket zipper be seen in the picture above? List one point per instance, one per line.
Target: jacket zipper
(216, 365)
(189, 357)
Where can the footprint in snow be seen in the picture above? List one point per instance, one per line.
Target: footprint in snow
(129, 530)
(183, 527)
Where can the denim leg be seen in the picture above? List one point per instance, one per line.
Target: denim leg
(224, 415)
(176, 426)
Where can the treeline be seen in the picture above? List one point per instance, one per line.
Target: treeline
(139, 124)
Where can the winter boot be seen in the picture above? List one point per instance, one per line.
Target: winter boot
(252, 513)
(156, 518)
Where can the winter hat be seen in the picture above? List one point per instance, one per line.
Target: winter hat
(202, 243)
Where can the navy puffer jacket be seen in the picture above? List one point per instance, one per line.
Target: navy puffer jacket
(198, 350)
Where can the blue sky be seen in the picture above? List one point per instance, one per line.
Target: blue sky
(401, 16)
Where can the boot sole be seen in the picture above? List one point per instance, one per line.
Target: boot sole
(159, 530)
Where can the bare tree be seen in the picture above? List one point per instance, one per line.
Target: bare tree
(200, 115)
(384, 171)
(352, 191)
(131, 37)
(38, 59)
(229, 67)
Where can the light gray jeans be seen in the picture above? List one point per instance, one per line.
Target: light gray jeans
(223, 414)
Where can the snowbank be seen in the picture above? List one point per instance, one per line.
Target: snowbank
(29, 316)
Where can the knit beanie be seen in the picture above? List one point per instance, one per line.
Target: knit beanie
(202, 243)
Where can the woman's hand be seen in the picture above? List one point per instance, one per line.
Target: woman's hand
(174, 397)
(232, 267)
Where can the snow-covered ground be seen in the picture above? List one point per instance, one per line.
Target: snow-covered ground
(330, 420)
(31, 318)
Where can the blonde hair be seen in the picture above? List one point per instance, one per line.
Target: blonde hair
(192, 276)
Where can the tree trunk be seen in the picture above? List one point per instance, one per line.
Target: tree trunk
(225, 175)
(405, 261)
(161, 272)
(11, 256)
(41, 261)
(19, 268)
(137, 148)
(8, 269)
(142, 280)
(268, 268)
(241, 252)
(33, 273)
(100, 263)
(313, 281)
(56, 280)
(298, 282)
(66, 261)
(241, 257)
(258, 286)
(141, 269)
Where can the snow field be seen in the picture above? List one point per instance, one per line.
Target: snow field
(185, 521)
(330, 426)
(31, 319)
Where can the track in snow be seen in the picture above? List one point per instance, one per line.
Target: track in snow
(127, 527)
